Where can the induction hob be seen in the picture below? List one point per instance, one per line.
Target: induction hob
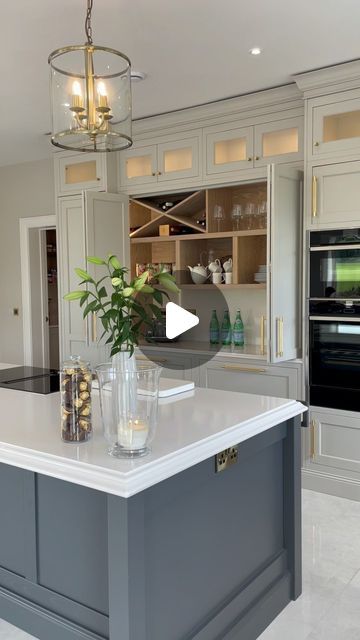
(33, 379)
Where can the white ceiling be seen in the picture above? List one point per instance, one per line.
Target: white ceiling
(193, 51)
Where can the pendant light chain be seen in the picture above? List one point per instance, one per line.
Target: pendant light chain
(88, 28)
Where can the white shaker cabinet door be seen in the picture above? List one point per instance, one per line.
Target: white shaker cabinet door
(90, 224)
(335, 195)
(107, 232)
(72, 254)
(285, 198)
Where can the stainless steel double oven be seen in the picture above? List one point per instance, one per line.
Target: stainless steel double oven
(334, 319)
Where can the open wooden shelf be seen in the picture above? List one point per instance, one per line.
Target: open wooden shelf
(227, 287)
(197, 236)
(246, 247)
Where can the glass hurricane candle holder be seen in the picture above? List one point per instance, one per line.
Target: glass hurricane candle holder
(129, 407)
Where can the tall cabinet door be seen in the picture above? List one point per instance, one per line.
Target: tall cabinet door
(284, 185)
(72, 254)
(91, 224)
(107, 231)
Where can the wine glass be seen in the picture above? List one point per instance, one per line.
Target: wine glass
(236, 215)
(250, 215)
(219, 215)
(262, 214)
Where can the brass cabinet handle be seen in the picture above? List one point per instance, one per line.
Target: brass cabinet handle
(94, 327)
(98, 179)
(312, 439)
(238, 367)
(159, 173)
(257, 158)
(152, 359)
(153, 173)
(316, 144)
(262, 334)
(314, 197)
(280, 337)
(249, 159)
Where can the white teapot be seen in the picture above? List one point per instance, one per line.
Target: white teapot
(215, 267)
(228, 265)
(198, 274)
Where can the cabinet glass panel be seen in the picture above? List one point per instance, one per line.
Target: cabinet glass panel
(80, 172)
(138, 166)
(226, 151)
(276, 143)
(178, 159)
(341, 126)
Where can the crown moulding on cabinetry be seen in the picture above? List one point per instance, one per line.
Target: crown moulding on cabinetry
(320, 82)
(244, 106)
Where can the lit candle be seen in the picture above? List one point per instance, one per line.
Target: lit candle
(76, 99)
(101, 89)
(133, 434)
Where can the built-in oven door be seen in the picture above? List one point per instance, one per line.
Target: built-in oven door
(334, 359)
(335, 272)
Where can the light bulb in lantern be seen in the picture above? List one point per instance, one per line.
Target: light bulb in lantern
(101, 89)
(76, 98)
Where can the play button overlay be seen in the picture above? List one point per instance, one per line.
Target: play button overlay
(183, 331)
(178, 320)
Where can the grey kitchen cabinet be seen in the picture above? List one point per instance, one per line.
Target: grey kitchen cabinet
(335, 195)
(334, 441)
(91, 224)
(180, 366)
(252, 377)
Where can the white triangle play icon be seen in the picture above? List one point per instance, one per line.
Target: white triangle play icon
(178, 320)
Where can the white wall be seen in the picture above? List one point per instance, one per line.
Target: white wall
(25, 190)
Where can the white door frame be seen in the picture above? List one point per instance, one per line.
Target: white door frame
(36, 222)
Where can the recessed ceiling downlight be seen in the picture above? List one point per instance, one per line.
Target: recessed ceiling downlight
(255, 51)
(137, 76)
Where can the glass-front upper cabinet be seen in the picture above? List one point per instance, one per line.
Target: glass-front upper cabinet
(336, 125)
(228, 149)
(280, 141)
(179, 159)
(81, 171)
(170, 158)
(138, 165)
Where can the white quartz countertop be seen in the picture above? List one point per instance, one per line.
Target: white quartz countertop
(191, 428)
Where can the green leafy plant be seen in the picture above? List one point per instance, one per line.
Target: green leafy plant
(123, 307)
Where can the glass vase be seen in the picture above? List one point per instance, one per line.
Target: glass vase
(129, 407)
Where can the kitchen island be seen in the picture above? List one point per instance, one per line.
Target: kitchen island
(162, 548)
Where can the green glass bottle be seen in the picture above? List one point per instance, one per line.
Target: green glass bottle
(214, 329)
(226, 329)
(238, 331)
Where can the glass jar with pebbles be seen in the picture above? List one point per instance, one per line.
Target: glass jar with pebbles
(75, 386)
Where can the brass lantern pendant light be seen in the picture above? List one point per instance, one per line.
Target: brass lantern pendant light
(90, 96)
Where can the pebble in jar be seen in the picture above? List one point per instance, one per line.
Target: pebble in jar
(75, 389)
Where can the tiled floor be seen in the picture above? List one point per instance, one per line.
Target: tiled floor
(329, 608)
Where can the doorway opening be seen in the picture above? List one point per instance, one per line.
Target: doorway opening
(39, 276)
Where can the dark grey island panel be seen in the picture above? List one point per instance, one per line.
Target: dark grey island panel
(199, 556)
